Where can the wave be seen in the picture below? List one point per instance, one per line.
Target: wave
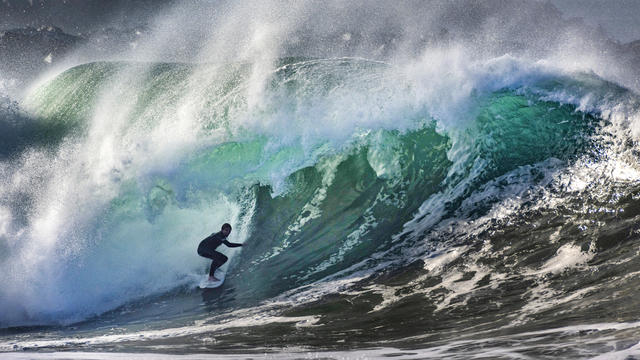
(324, 166)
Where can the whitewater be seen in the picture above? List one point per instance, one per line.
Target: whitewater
(432, 200)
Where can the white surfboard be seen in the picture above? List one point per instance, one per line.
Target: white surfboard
(206, 284)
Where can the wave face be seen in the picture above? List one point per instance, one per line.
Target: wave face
(495, 195)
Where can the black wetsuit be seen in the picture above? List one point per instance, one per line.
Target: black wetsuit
(207, 248)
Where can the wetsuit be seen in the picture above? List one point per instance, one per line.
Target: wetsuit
(207, 248)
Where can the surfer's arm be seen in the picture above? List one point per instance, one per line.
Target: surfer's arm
(230, 244)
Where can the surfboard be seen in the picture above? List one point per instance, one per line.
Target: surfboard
(206, 284)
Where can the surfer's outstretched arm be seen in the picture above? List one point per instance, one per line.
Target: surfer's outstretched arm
(230, 244)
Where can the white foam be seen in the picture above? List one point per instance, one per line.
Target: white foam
(5, 221)
(567, 256)
(239, 319)
(520, 345)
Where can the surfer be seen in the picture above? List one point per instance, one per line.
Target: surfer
(207, 248)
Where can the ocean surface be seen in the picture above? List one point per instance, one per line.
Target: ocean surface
(439, 208)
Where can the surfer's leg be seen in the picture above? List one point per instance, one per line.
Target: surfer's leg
(213, 268)
(218, 260)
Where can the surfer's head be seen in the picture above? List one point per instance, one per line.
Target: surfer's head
(226, 229)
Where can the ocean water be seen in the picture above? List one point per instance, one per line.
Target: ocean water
(440, 207)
